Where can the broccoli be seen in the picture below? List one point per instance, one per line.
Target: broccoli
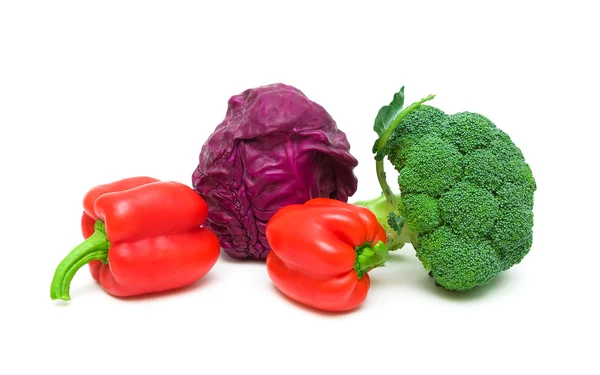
(466, 192)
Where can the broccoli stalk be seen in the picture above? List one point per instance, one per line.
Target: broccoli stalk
(386, 122)
(397, 231)
(466, 192)
(385, 207)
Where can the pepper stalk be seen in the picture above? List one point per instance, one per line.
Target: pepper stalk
(369, 256)
(94, 247)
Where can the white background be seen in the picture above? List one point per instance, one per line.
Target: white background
(91, 92)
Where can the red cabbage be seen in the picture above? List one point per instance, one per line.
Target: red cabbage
(275, 147)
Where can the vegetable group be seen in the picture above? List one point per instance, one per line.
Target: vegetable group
(142, 236)
(273, 182)
(275, 147)
(466, 192)
(322, 252)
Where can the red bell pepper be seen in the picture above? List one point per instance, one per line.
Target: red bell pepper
(142, 236)
(322, 251)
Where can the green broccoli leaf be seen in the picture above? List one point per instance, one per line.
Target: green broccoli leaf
(376, 146)
(387, 114)
(396, 222)
(388, 118)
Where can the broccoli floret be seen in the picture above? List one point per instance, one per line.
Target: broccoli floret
(423, 211)
(513, 237)
(433, 166)
(457, 262)
(468, 130)
(482, 168)
(424, 120)
(511, 196)
(469, 210)
(513, 167)
(466, 193)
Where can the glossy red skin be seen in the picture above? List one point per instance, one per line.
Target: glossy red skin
(313, 254)
(155, 235)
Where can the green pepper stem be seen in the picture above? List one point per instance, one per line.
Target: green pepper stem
(369, 256)
(94, 247)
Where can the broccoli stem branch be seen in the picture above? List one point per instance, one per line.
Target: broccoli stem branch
(381, 147)
(387, 203)
(381, 208)
(387, 191)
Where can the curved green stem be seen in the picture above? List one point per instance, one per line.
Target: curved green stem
(387, 191)
(369, 256)
(94, 247)
(382, 143)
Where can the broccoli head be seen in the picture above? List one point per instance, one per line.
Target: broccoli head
(466, 193)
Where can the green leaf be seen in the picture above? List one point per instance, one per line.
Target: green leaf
(388, 119)
(396, 222)
(376, 145)
(388, 113)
